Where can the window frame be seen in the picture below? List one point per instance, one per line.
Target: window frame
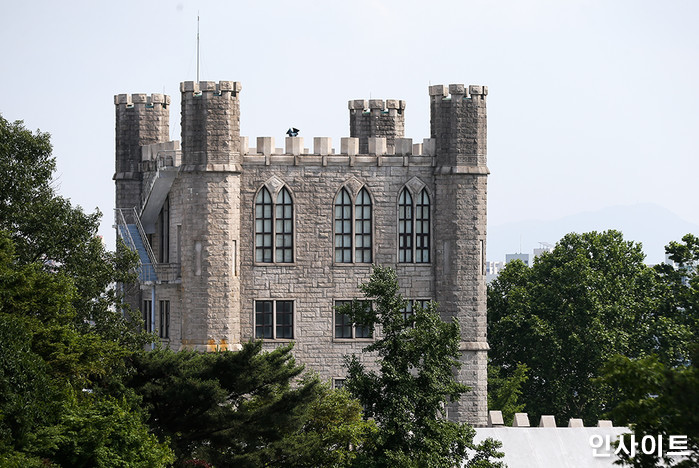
(353, 326)
(407, 311)
(274, 325)
(348, 243)
(274, 249)
(147, 315)
(164, 313)
(411, 223)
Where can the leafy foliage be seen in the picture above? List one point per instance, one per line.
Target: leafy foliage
(656, 400)
(590, 298)
(406, 397)
(49, 232)
(60, 332)
(504, 394)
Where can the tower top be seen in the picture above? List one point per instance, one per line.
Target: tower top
(210, 86)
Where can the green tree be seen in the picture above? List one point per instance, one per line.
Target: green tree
(45, 366)
(590, 298)
(676, 321)
(406, 397)
(49, 231)
(656, 400)
(504, 394)
(659, 394)
(241, 409)
(60, 332)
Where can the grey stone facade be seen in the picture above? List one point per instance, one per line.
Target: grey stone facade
(201, 212)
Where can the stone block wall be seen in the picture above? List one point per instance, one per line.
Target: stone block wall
(212, 226)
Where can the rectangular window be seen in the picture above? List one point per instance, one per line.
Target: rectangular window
(285, 319)
(147, 314)
(345, 329)
(274, 320)
(338, 383)
(409, 309)
(164, 319)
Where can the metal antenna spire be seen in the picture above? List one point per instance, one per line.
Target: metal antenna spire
(197, 47)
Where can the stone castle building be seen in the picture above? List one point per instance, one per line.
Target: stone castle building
(238, 243)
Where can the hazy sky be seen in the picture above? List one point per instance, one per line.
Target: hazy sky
(591, 103)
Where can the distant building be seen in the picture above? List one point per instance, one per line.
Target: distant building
(543, 247)
(492, 270)
(517, 256)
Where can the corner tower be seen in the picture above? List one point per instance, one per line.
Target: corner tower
(458, 125)
(141, 119)
(377, 118)
(210, 198)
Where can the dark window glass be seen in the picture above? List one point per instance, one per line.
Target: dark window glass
(164, 319)
(263, 227)
(405, 227)
(285, 228)
(285, 319)
(362, 228)
(263, 319)
(343, 227)
(344, 328)
(148, 316)
(422, 228)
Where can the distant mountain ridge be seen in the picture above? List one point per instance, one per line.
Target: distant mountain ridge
(650, 224)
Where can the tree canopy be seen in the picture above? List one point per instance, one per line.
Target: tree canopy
(60, 329)
(589, 299)
(416, 358)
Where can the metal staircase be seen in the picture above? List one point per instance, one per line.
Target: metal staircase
(131, 232)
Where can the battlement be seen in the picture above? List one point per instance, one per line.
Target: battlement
(294, 146)
(457, 92)
(222, 87)
(130, 100)
(377, 106)
(495, 419)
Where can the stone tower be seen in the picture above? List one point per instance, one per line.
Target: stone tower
(377, 118)
(209, 196)
(319, 219)
(458, 125)
(140, 120)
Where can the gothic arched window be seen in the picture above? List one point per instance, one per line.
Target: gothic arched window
(274, 227)
(343, 227)
(362, 228)
(353, 227)
(414, 230)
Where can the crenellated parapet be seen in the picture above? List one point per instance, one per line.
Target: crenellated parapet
(141, 120)
(210, 123)
(458, 123)
(146, 100)
(372, 118)
(322, 152)
(196, 88)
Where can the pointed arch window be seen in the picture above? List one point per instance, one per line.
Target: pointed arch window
(362, 228)
(353, 227)
(405, 227)
(414, 231)
(285, 227)
(274, 227)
